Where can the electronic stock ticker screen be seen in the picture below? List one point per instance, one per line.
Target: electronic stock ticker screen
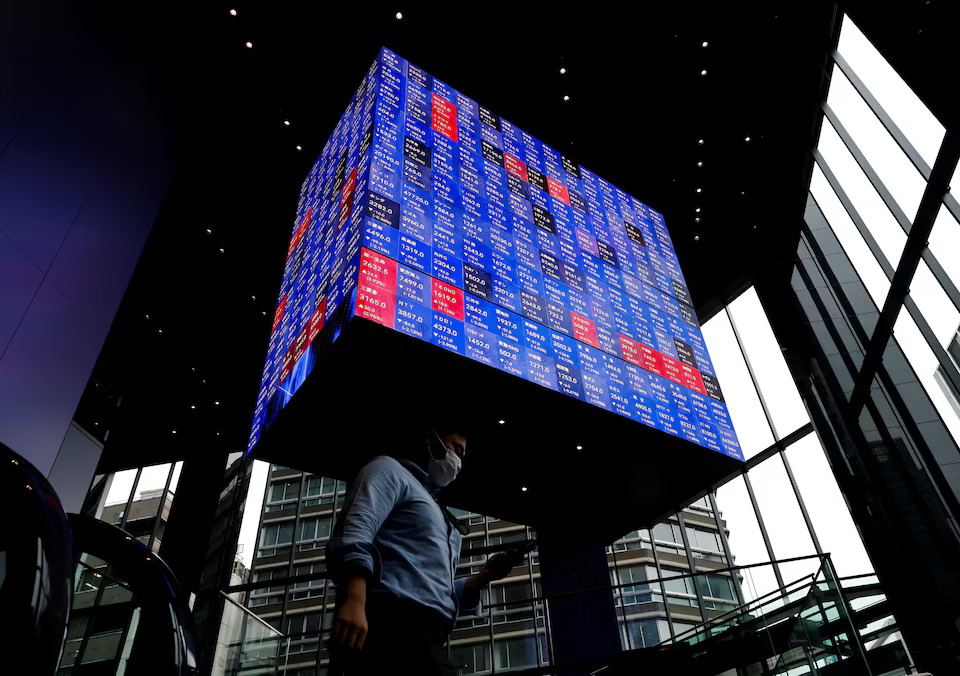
(433, 216)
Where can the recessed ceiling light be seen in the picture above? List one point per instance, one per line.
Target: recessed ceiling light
(147, 316)
(502, 422)
(579, 448)
(233, 12)
(523, 488)
(216, 403)
(747, 139)
(566, 98)
(563, 71)
(700, 141)
(249, 44)
(696, 220)
(209, 231)
(399, 15)
(703, 72)
(696, 238)
(264, 313)
(253, 297)
(173, 431)
(700, 164)
(159, 330)
(221, 250)
(193, 407)
(299, 148)
(705, 43)
(697, 210)
(286, 123)
(699, 189)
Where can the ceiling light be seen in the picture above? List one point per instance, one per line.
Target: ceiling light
(699, 189)
(703, 72)
(264, 313)
(147, 316)
(286, 123)
(700, 164)
(216, 403)
(174, 431)
(159, 330)
(705, 43)
(697, 210)
(563, 71)
(221, 249)
(566, 98)
(249, 45)
(253, 297)
(747, 139)
(218, 434)
(299, 148)
(399, 15)
(193, 407)
(696, 220)
(523, 488)
(579, 448)
(700, 141)
(233, 12)
(209, 231)
(696, 238)
(502, 422)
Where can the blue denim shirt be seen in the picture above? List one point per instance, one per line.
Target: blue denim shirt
(393, 531)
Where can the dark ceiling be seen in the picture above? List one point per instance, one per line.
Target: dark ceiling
(193, 327)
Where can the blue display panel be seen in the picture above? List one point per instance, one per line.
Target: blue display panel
(433, 216)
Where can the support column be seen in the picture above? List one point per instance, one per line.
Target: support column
(583, 625)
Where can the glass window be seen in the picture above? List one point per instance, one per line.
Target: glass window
(676, 584)
(704, 539)
(745, 538)
(769, 368)
(742, 401)
(285, 490)
(871, 208)
(470, 659)
(513, 653)
(934, 304)
(782, 517)
(828, 511)
(945, 242)
(922, 129)
(925, 363)
(864, 262)
(277, 534)
(898, 174)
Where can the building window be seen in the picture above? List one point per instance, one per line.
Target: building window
(470, 659)
(320, 490)
(275, 538)
(314, 531)
(283, 495)
(267, 595)
(303, 632)
(308, 588)
(514, 653)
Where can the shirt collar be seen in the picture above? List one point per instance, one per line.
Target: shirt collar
(421, 475)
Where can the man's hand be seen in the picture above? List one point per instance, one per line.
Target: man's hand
(350, 624)
(499, 565)
(496, 568)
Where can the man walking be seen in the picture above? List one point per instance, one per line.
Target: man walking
(393, 557)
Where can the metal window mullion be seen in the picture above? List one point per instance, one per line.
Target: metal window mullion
(933, 343)
(692, 565)
(763, 530)
(888, 266)
(726, 546)
(951, 203)
(800, 502)
(916, 243)
(872, 175)
(881, 114)
(750, 370)
(663, 589)
(163, 501)
(941, 276)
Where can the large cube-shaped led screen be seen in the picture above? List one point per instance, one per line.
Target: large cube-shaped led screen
(433, 216)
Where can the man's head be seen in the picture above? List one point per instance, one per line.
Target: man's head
(447, 448)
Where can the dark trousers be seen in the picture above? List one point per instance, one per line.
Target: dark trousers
(402, 639)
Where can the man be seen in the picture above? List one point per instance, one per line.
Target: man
(393, 557)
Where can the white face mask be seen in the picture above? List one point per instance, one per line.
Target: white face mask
(445, 470)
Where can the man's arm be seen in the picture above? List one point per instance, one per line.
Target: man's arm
(496, 568)
(352, 557)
